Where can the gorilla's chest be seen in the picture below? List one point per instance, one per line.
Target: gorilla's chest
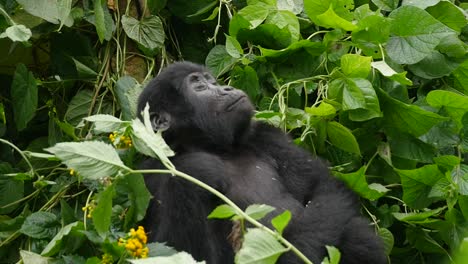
(253, 180)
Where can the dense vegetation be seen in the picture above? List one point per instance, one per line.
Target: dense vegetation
(377, 87)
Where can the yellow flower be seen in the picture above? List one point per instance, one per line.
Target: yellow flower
(72, 172)
(135, 243)
(107, 259)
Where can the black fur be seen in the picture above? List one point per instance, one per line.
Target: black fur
(210, 129)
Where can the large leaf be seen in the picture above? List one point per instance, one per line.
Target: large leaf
(29, 257)
(418, 183)
(11, 190)
(341, 137)
(40, 225)
(128, 89)
(341, 8)
(139, 197)
(148, 32)
(219, 61)
(455, 104)
(415, 34)
(55, 244)
(92, 159)
(53, 11)
(23, 96)
(259, 247)
(79, 106)
(103, 211)
(407, 118)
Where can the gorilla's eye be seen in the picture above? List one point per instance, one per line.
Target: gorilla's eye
(209, 78)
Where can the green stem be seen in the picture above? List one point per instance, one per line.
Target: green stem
(238, 210)
(20, 152)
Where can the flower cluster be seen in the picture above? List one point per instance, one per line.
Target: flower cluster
(135, 243)
(89, 208)
(121, 141)
(107, 259)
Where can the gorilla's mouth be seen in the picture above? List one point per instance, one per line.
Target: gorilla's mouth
(235, 102)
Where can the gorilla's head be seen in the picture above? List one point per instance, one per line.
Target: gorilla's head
(192, 109)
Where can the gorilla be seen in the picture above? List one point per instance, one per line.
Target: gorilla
(210, 128)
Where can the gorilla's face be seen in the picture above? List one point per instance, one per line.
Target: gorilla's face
(207, 97)
(192, 109)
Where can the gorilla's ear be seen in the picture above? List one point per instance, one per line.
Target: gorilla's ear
(160, 121)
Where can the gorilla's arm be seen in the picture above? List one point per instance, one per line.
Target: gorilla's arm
(177, 213)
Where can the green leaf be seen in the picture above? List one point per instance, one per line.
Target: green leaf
(407, 118)
(418, 183)
(103, 30)
(23, 96)
(281, 221)
(78, 107)
(449, 14)
(334, 256)
(147, 142)
(387, 238)
(219, 61)
(421, 4)
(254, 14)
(435, 65)
(294, 6)
(341, 137)
(83, 70)
(29, 257)
(455, 104)
(461, 76)
(323, 110)
(408, 147)
(258, 211)
(40, 225)
(223, 211)
(420, 217)
(387, 71)
(149, 32)
(106, 123)
(17, 33)
(11, 190)
(285, 20)
(138, 195)
(415, 35)
(372, 105)
(103, 211)
(181, 257)
(204, 10)
(372, 31)
(246, 79)
(355, 66)
(233, 47)
(330, 19)
(358, 183)
(127, 90)
(55, 244)
(341, 8)
(386, 5)
(45, 9)
(346, 91)
(259, 247)
(63, 12)
(91, 159)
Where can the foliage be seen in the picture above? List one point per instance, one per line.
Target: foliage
(377, 87)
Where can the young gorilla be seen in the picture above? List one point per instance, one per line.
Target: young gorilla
(209, 126)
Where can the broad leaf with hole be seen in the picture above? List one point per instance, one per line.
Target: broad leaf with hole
(91, 159)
